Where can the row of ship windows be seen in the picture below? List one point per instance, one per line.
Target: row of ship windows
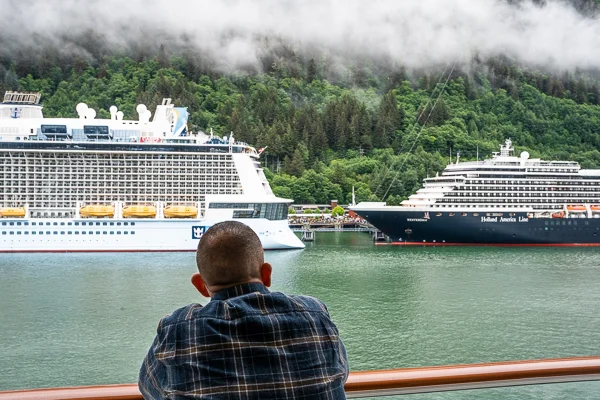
(504, 200)
(517, 194)
(488, 205)
(83, 223)
(564, 222)
(21, 157)
(68, 232)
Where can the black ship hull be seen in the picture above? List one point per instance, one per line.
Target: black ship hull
(491, 228)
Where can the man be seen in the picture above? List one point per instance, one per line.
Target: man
(247, 342)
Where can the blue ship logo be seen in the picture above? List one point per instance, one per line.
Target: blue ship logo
(198, 231)
(16, 112)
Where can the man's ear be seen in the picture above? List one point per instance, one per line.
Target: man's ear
(199, 284)
(265, 274)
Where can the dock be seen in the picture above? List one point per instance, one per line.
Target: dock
(310, 229)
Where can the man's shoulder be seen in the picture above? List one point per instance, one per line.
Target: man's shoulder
(245, 305)
(181, 314)
(307, 302)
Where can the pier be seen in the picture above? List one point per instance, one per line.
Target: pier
(309, 229)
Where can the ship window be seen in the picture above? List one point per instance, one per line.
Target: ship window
(54, 129)
(18, 224)
(118, 224)
(55, 232)
(97, 232)
(69, 223)
(4, 224)
(112, 232)
(132, 224)
(125, 223)
(118, 232)
(125, 232)
(4, 232)
(18, 232)
(104, 232)
(104, 223)
(55, 224)
(34, 233)
(62, 232)
(132, 232)
(26, 233)
(12, 233)
(69, 233)
(97, 223)
(76, 232)
(111, 223)
(48, 232)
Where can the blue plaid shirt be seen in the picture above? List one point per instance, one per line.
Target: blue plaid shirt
(246, 343)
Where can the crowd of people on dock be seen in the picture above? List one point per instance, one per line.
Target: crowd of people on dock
(325, 219)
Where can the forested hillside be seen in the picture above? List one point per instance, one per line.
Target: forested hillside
(323, 137)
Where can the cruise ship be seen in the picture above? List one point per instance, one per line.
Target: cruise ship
(505, 200)
(91, 184)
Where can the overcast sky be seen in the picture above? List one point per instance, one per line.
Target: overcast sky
(416, 33)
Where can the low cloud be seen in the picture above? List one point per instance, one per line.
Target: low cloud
(235, 33)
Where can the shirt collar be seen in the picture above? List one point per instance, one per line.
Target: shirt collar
(239, 290)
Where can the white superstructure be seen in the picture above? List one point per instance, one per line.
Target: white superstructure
(70, 184)
(508, 182)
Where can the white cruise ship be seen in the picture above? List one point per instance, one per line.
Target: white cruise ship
(505, 200)
(87, 184)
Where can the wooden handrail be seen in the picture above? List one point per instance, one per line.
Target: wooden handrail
(387, 382)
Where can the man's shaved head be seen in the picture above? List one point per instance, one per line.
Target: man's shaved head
(229, 253)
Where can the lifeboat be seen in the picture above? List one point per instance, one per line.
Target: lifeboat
(12, 212)
(576, 208)
(180, 212)
(595, 208)
(97, 211)
(559, 215)
(139, 211)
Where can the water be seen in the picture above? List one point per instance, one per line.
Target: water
(87, 319)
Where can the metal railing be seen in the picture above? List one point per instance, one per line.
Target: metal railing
(388, 382)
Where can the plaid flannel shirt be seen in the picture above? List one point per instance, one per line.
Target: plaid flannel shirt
(246, 343)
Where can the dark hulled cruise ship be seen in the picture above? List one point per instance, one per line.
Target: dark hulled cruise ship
(505, 200)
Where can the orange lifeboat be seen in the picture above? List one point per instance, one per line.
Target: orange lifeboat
(139, 211)
(559, 215)
(180, 212)
(576, 208)
(18, 212)
(595, 208)
(97, 210)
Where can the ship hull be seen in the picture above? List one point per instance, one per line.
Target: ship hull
(19, 235)
(470, 228)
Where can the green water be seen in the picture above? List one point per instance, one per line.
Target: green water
(85, 319)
